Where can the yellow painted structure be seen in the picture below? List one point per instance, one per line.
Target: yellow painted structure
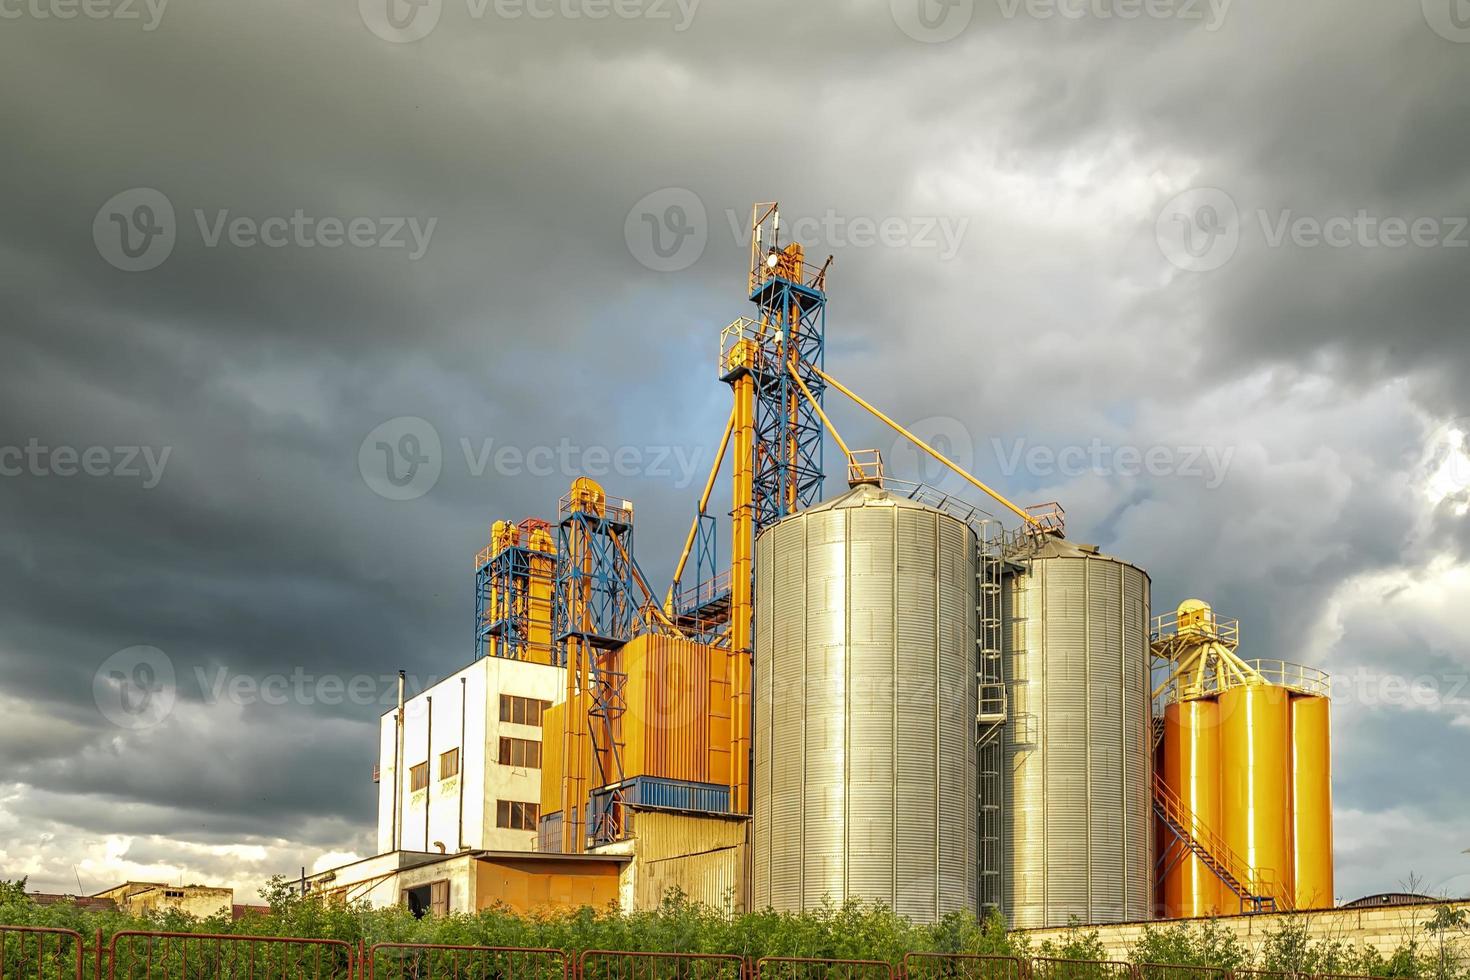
(1247, 751)
(1191, 766)
(1311, 830)
(1255, 782)
(702, 856)
(534, 884)
(678, 707)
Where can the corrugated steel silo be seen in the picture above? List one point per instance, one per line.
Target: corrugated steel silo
(865, 706)
(1078, 760)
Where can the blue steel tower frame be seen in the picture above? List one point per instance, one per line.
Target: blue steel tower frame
(788, 431)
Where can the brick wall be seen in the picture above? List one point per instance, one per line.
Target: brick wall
(1384, 929)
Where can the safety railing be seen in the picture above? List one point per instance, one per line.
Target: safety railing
(865, 466)
(135, 955)
(40, 953)
(415, 961)
(607, 964)
(1256, 882)
(804, 968)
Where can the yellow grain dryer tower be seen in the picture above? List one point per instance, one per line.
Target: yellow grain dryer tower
(1243, 784)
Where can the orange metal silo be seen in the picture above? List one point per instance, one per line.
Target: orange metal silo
(1311, 770)
(1191, 768)
(1255, 782)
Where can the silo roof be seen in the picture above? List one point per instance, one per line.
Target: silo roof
(865, 495)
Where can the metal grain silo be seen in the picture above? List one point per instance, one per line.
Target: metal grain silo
(1078, 818)
(865, 705)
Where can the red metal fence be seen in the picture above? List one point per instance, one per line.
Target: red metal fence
(802, 968)
(418, 961)
(40, 953)
(958, 966)
(200, 956)
(611, 964)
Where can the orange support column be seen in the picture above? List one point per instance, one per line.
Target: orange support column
(741, 545)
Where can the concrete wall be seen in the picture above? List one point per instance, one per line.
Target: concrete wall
(138, 897)
(1383, 929)
(433, 816)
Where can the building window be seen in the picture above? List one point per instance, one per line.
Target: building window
(449, 764)
(522, 711)
(418, 777)
(430, 899)
(512, 815)
(523, 753)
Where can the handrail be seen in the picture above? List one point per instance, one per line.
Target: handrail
(1248, 882)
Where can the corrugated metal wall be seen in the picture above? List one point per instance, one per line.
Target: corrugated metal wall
(1078, 819)
(865, 704)
(703, 857)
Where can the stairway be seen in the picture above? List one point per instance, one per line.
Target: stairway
(1251, 886)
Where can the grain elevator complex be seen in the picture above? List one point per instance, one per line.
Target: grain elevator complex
(890, 693)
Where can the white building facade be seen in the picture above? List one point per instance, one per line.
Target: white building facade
(467, 772)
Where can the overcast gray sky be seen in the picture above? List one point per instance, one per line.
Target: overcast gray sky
(1196, 270)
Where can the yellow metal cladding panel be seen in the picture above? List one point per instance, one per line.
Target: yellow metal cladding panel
(678, 717)
(1255, 781)
(1311, 767)
(552, 722)
(1191, 768)
(701, 856)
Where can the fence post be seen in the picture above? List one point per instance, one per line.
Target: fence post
(97, 956)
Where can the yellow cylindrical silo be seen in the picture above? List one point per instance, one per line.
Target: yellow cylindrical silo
(1191, 768)
(1311, 776)
(1255, 782)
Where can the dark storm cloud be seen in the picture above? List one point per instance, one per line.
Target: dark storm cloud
(530, 322)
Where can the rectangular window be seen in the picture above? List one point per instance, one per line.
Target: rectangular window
(523, 753)
(522, 711)
(449, 764)
(513, 815)
(418, 777)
